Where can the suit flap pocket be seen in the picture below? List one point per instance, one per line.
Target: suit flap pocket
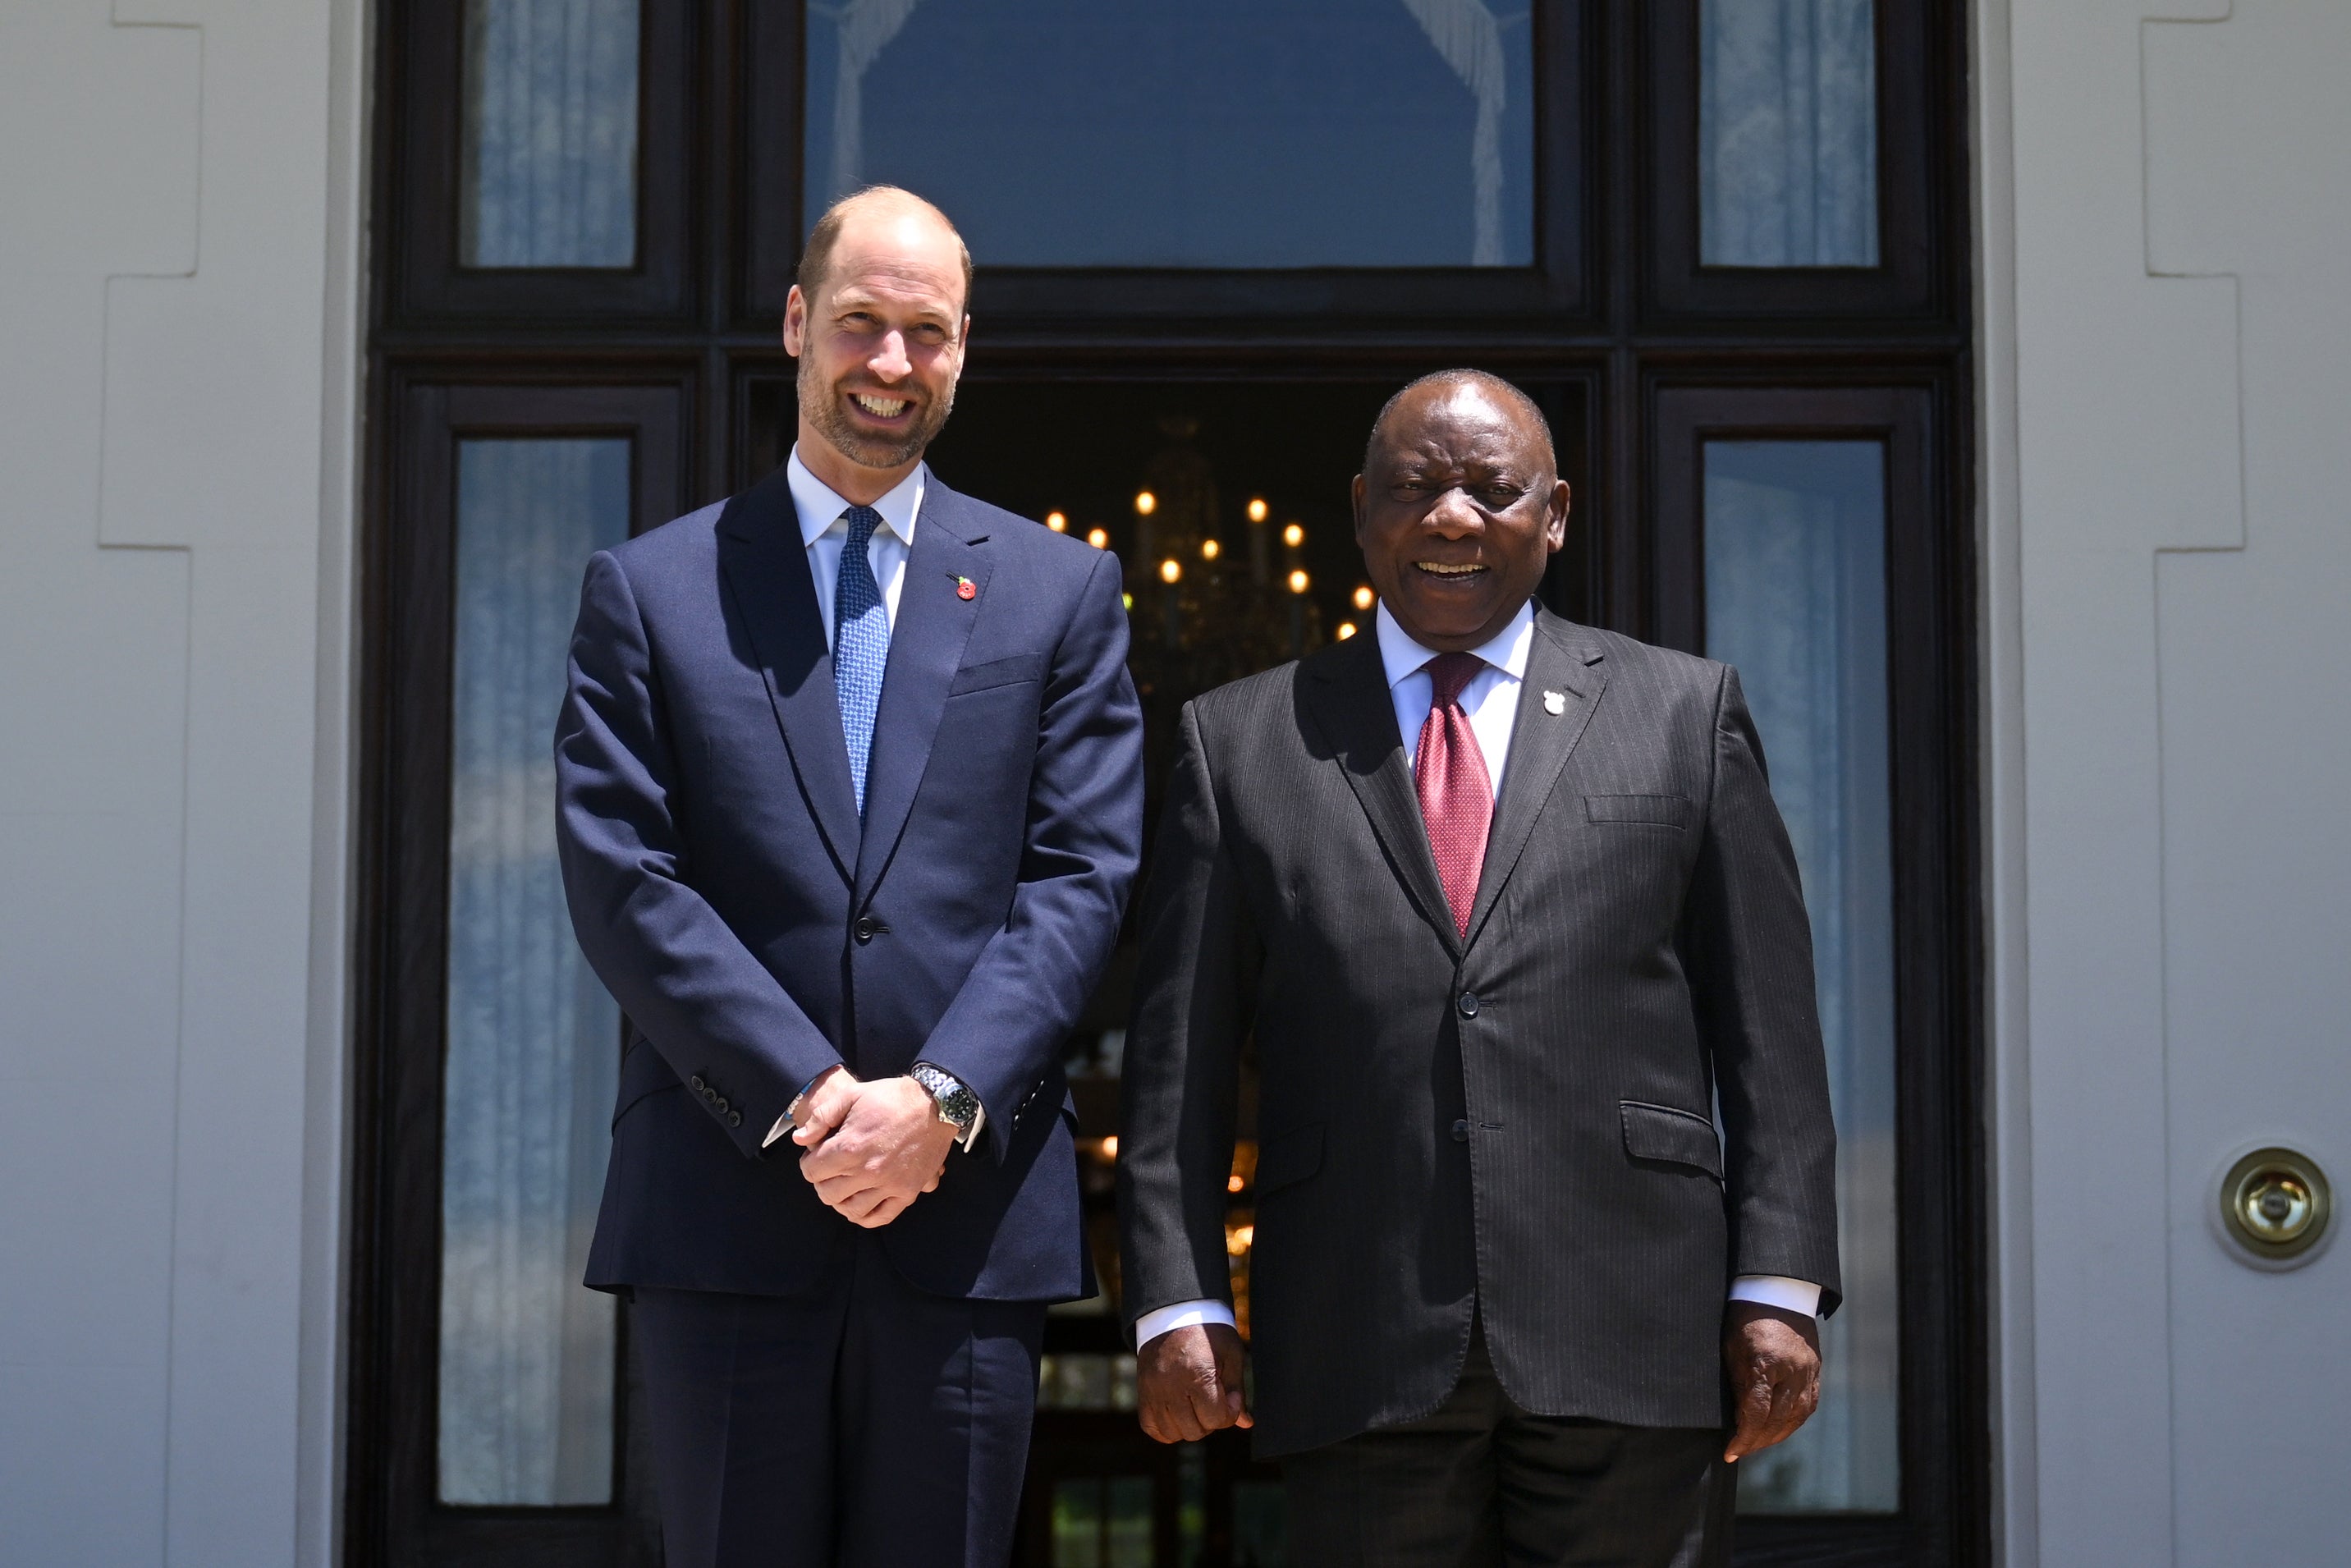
(1289, 1158)
(643, 1071)
(1663, 1132)
(1665, 810)
(997, 673)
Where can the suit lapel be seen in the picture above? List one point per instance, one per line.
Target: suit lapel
(765, 567)
(927, 641)
(1563, 663)
(1348, 697)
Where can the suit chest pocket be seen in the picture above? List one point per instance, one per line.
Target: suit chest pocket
(1021, 669)
(1653, 811)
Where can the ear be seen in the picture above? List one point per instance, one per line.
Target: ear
(1555, 522)
(795, 322)
(1357, 492)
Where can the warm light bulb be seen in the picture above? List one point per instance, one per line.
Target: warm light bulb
(1057, 522)
(1293, 536)
(1364, 597)
(1145, 503)
(1098, 539)
(1233, 1184)
(1346, 630)
(1210, 549)
(1109, 1148)
(1257, 508)
(1297, 583)
(1171, 570)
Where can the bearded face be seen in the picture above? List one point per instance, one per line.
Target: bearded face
(874, 423)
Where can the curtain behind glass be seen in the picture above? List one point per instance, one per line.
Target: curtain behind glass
(1795, 598)
(1214, 134)
(1787, 133)
(550, 160)
(527, 1352)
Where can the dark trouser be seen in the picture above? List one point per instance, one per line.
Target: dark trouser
(1481, 1483)
(862, 1424)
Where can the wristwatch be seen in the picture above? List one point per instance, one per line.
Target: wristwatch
(951, 1098)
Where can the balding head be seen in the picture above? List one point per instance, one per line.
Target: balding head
(878, 323)
(877, 208)
(1441, 386)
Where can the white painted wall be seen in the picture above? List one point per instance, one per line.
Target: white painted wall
(2165, 208)
(178, 306)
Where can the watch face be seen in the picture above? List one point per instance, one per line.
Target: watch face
(956, 1103)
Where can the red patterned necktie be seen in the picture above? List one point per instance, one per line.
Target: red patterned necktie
(1449, 773)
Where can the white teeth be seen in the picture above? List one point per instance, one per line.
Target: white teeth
(1438, 569)
(882, 407)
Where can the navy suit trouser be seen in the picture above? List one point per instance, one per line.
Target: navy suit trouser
(863, 1424)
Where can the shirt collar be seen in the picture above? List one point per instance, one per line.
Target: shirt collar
(1507, 652)
(820, 508)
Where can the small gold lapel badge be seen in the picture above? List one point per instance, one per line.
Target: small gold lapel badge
(1554, 703)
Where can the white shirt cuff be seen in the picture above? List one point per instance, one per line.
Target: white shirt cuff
(783, 1124)
(1182, 1315)
(1778, 1291)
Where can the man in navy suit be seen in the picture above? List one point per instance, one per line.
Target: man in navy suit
(851, 800)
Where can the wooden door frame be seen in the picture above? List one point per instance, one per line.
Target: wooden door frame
(1624, 332)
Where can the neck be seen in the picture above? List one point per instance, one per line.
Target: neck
(852, 482)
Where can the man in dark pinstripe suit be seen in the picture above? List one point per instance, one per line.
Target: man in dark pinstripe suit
(1507, 908)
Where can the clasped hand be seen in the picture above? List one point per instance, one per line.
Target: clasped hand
(871, 1148)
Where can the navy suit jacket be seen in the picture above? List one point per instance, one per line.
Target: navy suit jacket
(755, 933)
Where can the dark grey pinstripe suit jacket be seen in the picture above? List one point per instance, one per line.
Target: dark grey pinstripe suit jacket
(1518, 1122)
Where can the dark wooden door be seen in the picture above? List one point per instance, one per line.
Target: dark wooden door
(1723, 246)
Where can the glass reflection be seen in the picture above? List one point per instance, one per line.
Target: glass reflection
(1787, 133)
(1795, 598)
(527, 1352)
(1222, 134)
(548, 165)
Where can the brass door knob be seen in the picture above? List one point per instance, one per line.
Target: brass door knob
(2276, 1203)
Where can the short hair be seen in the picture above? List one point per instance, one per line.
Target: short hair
(815, 256)
(1485, 380)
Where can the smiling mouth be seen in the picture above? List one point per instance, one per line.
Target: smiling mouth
(880, 407)
(1448, 571)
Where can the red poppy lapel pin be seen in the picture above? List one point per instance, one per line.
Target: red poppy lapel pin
(965, 587)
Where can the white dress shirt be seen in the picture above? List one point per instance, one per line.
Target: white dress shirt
(824, 531)
(1491, 702)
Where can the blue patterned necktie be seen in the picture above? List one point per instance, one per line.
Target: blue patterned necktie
(861, 646)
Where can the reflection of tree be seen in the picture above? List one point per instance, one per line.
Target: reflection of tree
(1471, 41)
(863, 28)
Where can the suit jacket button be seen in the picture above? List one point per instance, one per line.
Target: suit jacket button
(863, 929)
(1469, 1004)
(735, 1119)
(696, 1082)
(721, 1103)
(1461, 1131)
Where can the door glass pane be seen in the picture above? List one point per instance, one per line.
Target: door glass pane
(549, 167)
(1795, 598)
(527, 1352)
(1787, 133)
(1217, 133)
